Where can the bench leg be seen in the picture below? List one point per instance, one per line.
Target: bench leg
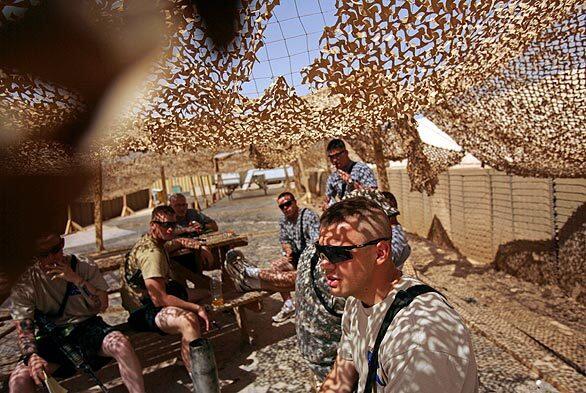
(246, 334)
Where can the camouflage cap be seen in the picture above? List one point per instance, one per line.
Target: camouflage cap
(375, 196)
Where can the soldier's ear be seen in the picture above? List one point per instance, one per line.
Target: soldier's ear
(383, 252)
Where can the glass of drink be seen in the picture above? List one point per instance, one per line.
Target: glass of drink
(216, 288)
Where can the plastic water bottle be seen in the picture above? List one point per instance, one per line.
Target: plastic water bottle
(216, 288)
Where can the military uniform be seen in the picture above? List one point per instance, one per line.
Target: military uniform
(336, 188)
(194, 215)
(79, 323)
(297, 237)
(318, 331)
(147, 259)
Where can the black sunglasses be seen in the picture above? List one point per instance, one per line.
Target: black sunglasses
(53, 250)
(339, 254)
(166, 224)
(336, 155)
(283, 205)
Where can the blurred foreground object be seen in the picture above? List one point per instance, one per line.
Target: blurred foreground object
(58, 62)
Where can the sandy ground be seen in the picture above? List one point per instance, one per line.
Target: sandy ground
(273, 363)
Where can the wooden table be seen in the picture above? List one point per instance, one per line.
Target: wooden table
(239, 303)
(219, 244)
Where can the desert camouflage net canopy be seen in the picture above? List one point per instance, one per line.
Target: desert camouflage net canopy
(505, 79)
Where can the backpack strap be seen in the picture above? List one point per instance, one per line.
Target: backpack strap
(303, 242)
(312, 266)
(134, 279)
(344, 185)
(402, 300)
(68, 289)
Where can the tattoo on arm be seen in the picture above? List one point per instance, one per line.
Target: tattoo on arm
(26, 336)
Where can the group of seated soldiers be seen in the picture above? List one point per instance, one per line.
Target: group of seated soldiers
(63, 294)
(362, 325)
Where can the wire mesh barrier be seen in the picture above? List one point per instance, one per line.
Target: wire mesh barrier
(531, 227)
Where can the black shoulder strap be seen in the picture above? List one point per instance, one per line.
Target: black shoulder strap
(402, 300)
(344, 185)
(303, 242)
(68, 289)
(312, 266)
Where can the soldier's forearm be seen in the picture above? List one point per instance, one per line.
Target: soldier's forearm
(25, 330)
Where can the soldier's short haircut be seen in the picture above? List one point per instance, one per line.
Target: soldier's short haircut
(336, 144)
(360, 206)
(286, 193)
(391, 198)
(164, 210)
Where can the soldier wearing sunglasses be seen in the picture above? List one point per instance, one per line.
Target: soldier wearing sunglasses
(348, 175)
(68, 291)
(397, 333)
(298, 229)
(318, 314)
(156, 302)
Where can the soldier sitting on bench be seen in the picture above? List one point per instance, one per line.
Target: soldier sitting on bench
(156, 302)
(62, 295)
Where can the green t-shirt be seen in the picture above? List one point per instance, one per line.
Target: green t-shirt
(152, 260)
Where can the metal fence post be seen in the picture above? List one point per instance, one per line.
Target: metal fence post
(554, 218)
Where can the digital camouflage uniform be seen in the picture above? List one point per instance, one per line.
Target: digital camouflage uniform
(318, 332)
(360, 173)
(291, 232)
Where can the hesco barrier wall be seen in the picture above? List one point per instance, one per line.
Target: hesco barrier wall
(533, 228)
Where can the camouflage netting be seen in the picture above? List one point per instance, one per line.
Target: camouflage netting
(505, 79)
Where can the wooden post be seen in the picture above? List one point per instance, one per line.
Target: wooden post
(126, 211)
(98, 218)
(209, 181)
(164, 188)
(203, 190)
(381, 167)
(287, 180)
(197, 206)
(305, 179)
(71, 225)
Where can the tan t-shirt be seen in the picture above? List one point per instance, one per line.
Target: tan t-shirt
(152, 260)
(36, 291)
(426, 348)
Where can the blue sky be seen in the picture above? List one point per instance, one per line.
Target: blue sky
(291, 43)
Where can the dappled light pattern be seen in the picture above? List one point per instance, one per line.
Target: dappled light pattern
(489, 73)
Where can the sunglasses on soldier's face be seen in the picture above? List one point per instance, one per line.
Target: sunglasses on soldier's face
(283, 205)
(335, 156)
(166, 224)
(339, 254)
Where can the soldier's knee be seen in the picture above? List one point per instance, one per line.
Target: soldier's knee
(188, 323)
(118, 344)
